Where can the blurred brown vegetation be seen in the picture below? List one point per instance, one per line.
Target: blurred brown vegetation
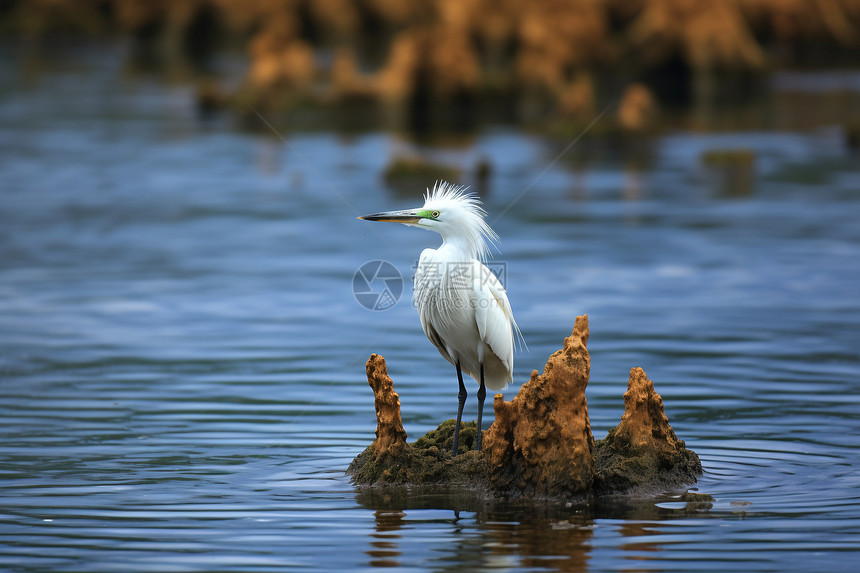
(555, 57)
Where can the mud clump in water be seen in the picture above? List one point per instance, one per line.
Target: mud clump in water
(643, 452)
(541, 441)
(540, 445)
(426, 462)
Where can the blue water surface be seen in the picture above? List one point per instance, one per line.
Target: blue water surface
(182, 358)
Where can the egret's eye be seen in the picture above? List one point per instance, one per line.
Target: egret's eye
(434, 214)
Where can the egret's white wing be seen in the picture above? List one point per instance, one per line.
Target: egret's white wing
(495, 322)
(464, 311)
(426, 296)
(435, 338)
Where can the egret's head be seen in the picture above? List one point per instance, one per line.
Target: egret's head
(450, 211)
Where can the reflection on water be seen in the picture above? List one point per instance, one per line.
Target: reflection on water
(498, 534)
(384, 552)
(181, 355)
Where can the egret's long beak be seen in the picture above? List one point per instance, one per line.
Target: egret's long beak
(405, 216)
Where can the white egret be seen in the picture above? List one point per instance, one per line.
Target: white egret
(463, 307)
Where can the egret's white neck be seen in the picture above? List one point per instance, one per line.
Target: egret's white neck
(462, 248)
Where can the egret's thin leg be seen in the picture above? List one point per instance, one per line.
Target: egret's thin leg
(462, 401)
(482, 393)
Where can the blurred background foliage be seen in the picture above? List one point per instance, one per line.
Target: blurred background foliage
(426, 64)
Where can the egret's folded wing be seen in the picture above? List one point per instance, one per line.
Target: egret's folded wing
(493, 315)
